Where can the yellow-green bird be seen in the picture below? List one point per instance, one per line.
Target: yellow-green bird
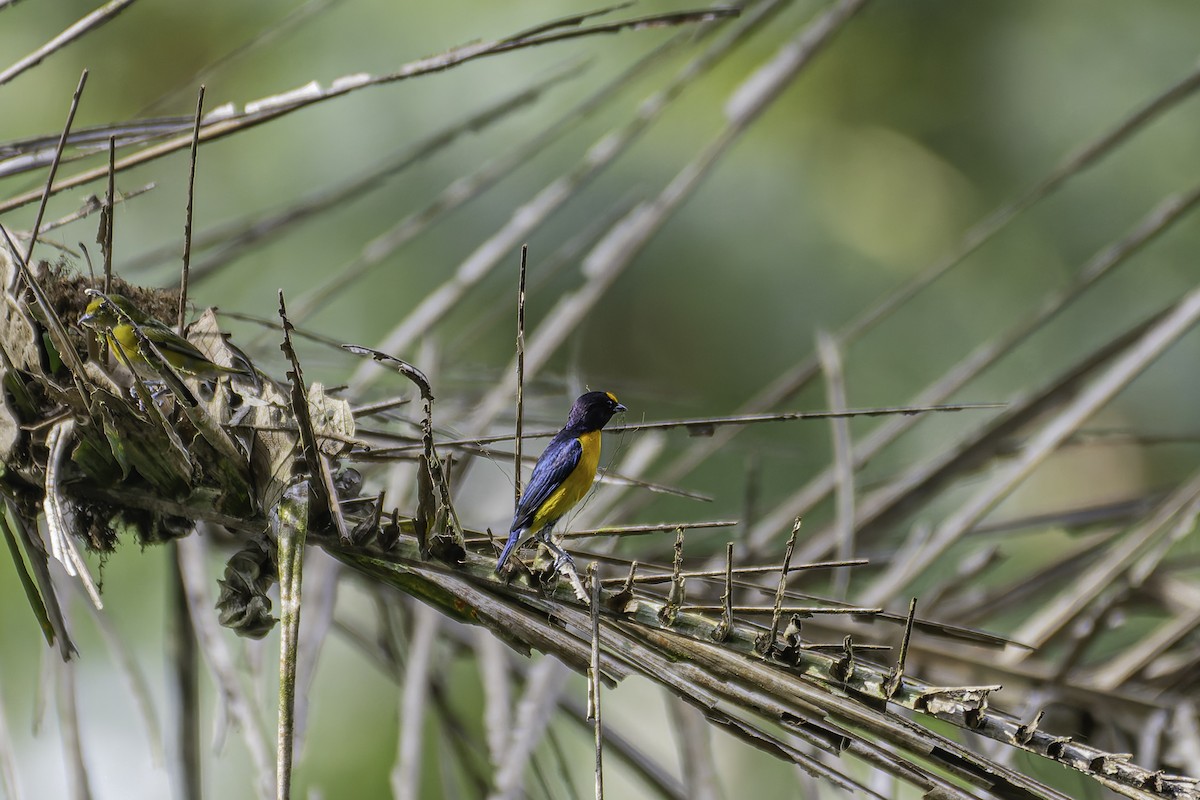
(178, 351)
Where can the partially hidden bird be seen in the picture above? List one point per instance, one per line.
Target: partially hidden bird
(562, 475)
(178, 351)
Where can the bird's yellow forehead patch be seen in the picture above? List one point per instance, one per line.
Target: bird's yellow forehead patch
(612, 397)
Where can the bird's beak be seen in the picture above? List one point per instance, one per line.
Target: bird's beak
(619, 408)
(87, 319)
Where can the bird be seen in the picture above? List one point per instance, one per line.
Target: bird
(102, 314)
(562, 475)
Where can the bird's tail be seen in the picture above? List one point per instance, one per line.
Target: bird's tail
(514, 538)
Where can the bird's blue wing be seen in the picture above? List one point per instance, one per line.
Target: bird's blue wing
(553, 466)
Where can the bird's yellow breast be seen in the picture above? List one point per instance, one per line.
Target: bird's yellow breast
(124, 335)
(576, 485)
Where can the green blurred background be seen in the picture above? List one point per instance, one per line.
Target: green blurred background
(919, 119)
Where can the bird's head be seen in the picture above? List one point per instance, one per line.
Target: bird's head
(100, 314)
(593, 410)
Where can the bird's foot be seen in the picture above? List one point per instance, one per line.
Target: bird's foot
(568, 569)
(563, 559)
(564, 565)
(158, 393)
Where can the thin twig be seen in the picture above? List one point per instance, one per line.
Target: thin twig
(323, 488)
(80, 27)
(90, 206)
(636, 530)
(109, 203)
(721, 633)
(185, 659)
(594, 680)
(896, 678)
(804, 611)
(520, 375)
(794, 569)
(777, 610)
(703, 426)
(45, 195)
(181, 320)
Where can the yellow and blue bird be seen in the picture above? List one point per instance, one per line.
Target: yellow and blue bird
(562, 475)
